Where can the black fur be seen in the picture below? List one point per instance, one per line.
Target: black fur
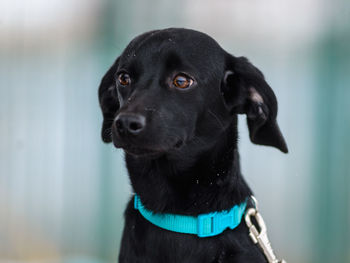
(185, 160)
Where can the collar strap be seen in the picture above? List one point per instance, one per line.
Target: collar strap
(203, 225)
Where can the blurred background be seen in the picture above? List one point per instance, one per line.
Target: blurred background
(63, 192)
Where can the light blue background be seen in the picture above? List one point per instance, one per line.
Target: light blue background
(63, 192)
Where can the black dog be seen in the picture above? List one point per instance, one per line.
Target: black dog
(171, 102)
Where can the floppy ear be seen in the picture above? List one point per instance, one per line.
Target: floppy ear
(246, 92)
(108, 101)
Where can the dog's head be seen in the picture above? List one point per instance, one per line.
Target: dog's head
(174, 88)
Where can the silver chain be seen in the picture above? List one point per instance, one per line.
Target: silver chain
(260, 238)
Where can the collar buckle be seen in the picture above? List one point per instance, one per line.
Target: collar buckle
(215, 223)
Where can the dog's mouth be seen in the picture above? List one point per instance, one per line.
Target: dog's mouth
(136, 150)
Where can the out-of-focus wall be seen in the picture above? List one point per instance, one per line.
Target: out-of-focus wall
(63, 192)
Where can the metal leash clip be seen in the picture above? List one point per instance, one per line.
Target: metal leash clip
(260, 237)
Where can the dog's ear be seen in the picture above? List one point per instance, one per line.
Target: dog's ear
(245, 91)
(108, 101)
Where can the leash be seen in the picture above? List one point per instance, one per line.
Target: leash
(257, 237)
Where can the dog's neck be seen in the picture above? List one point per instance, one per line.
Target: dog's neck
(212, 183)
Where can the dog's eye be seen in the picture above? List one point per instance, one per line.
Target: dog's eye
(182, 81)
(124, 79)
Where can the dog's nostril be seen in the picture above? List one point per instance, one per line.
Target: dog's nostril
(135, 126)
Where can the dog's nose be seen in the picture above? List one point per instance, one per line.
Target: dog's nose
(128, 123)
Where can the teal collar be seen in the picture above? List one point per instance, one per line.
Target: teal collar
(203, 225)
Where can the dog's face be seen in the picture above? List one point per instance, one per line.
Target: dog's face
(175, 88)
